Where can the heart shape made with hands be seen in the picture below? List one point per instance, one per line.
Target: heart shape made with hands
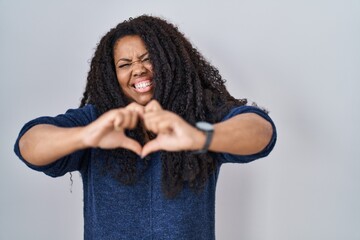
(173, 132)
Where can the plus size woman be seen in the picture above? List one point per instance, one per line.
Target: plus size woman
(153, 129)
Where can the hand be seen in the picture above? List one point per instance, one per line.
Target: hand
(108, 130)
(173, 132)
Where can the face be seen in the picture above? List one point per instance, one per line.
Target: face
(134, 69)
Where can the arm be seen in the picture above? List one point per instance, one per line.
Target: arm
(44, 144)
(242, 134)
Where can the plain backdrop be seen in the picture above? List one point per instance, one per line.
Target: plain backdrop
(299, 59)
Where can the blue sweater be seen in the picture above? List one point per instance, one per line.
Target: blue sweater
(116, 211)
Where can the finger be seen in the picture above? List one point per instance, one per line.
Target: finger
(152, 122)
(152, 106)
(134, 106)
(127, 116)
(153, 126)
(164, 127)
(158, 121)
(134, 119)
(118, 122)
(132, 145)
(159, 124)
(149, 122)
(130, 120)
(151, 117)
(149, 147)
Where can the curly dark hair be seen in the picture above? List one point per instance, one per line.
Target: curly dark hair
(185, 83)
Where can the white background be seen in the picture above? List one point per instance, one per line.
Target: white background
(299, 59)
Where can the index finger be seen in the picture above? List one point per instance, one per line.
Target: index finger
(152, 106)
(136, 108)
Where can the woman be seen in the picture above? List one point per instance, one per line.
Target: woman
(148, 161)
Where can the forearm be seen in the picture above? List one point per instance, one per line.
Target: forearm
(44, 144)
(243, 134)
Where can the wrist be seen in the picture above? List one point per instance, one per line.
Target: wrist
(199, 139)
(207, 131)
(83, 138)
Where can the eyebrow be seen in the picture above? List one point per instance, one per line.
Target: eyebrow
(129, 60)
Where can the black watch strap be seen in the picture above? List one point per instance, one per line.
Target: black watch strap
(208, 129)
(209, 135)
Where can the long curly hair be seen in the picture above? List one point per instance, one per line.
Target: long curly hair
(185, 83)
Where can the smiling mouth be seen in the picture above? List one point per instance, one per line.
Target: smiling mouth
(143, 86)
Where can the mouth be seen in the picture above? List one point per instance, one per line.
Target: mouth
(143, 86)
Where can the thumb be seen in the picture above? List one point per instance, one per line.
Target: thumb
(131, 145)
(149, 147)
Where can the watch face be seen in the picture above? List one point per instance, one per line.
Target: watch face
(205, 126)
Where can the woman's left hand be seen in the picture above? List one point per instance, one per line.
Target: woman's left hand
(173, 132)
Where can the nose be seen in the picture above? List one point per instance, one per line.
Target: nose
(138, 68)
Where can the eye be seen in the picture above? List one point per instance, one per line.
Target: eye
(146, 60)
(126, 65)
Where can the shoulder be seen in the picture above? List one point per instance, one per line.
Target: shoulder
(85, 114)
(71, 118)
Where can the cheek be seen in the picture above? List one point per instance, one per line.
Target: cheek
(122, 79)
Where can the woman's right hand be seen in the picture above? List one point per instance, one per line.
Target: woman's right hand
(108, 131)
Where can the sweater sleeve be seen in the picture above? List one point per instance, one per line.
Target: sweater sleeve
(234, 158)
(72, 118)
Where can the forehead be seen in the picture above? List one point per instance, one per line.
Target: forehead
(129, 45)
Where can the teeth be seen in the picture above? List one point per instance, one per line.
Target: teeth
(142, 85)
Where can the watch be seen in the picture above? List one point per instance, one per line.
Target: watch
(208, 129)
